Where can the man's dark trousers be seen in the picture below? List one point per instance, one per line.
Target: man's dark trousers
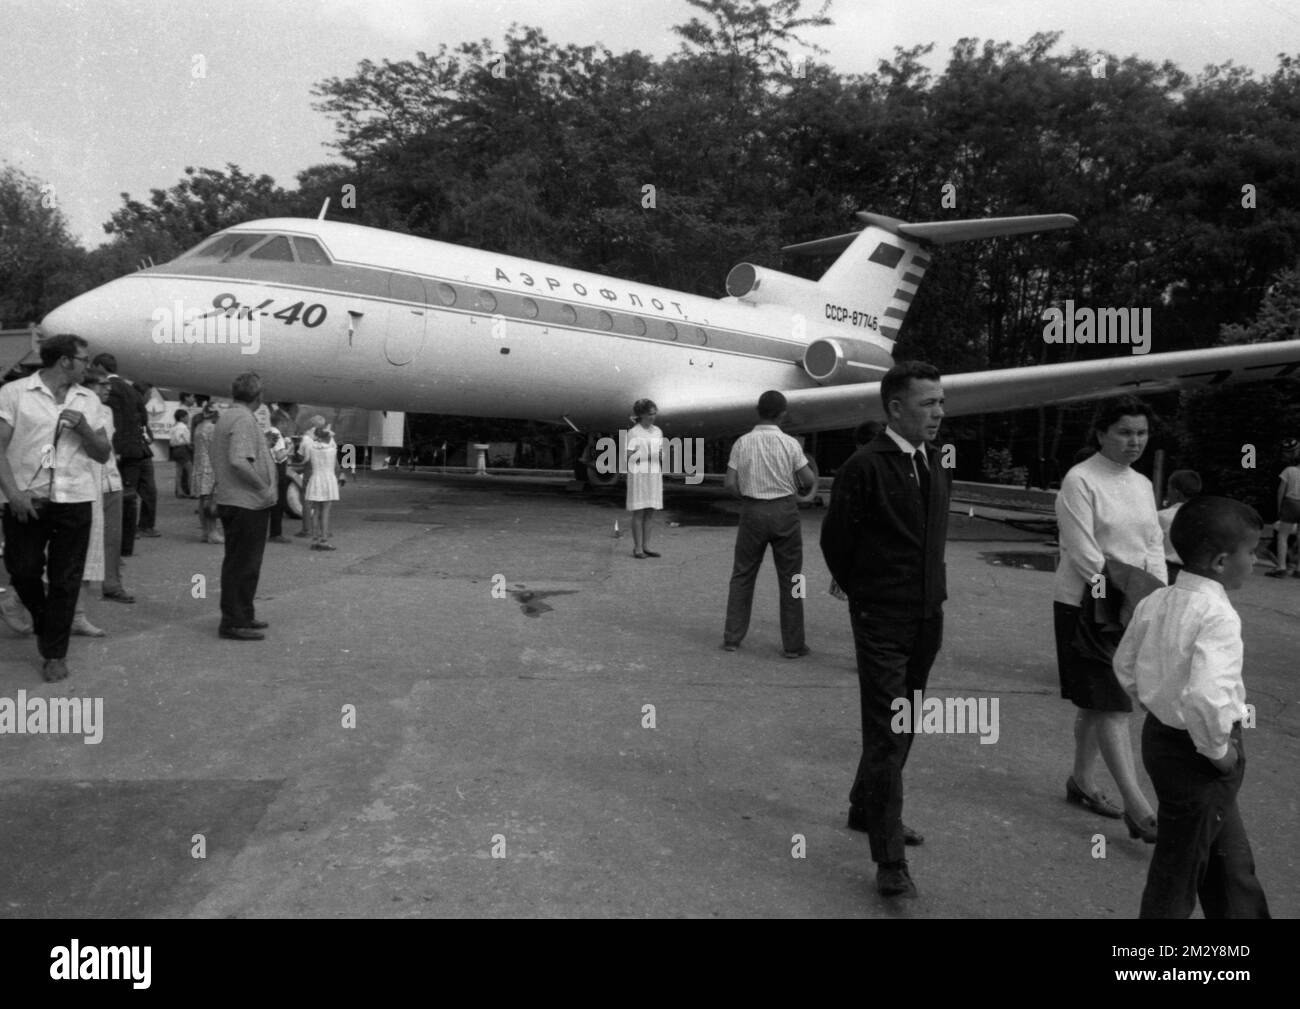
(895, 650)
(1201, 844)
(245, 531)
(148, 495)
(281, 492)
(55, 545)
(763, 522)
(130, 470)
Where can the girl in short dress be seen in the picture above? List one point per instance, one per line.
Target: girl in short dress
(322, 483)
(645, 480)
(203, 478)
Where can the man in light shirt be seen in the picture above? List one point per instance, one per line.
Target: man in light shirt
(1181, 656)
(764, 467)
(51, 433)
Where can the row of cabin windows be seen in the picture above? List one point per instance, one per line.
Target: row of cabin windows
(486, 301)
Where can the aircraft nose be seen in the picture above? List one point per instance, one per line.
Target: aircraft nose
(116, 317)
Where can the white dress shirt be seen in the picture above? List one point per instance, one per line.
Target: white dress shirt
(911, 450)
(62, 472)
(766, 460)
(1181, 656)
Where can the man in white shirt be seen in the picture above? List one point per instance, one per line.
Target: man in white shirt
(1181, 656)
(51, 431)
(763, 469)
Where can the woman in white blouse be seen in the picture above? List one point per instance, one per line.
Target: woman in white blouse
(1105, 509)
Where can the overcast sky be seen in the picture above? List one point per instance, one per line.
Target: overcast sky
(97, 98)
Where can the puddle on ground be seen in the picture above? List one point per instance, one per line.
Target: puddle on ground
(531, 602)
(1021, 559)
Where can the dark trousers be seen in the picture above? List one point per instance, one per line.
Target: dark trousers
(183, 458)
(53, 545)
(130, 470)
(282, 490)
(761, 523)
(895, 651)
(245, 532)
(148, 495)
(1201, 844)
(1173, 567)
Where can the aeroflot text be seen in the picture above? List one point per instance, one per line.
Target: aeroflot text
(678, 455)
(75, 962)
(1102, 325)
(192, 325)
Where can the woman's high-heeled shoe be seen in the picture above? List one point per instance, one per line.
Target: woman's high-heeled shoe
(1145, 830)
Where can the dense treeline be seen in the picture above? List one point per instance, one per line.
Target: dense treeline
(1187, 188)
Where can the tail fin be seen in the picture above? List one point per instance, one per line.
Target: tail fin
(881, 267)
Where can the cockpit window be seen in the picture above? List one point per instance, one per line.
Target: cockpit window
(225, 247)
(310, 251)
(276, 248)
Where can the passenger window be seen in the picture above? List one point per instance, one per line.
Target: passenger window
(276, 248)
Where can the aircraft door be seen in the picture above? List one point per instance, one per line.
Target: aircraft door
(407, 317)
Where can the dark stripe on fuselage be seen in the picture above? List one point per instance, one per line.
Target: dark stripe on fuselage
(375, 284)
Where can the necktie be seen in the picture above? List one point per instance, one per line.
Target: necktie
(922, 476)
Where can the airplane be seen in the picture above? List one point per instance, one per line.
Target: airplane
(341, 314)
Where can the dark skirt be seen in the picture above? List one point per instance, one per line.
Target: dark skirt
(1089, 683)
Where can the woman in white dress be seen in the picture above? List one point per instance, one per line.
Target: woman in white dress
(322, 488)
(645, 480)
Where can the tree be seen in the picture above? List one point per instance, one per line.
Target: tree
(39, 259)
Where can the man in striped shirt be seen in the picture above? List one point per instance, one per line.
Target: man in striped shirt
(764, 468)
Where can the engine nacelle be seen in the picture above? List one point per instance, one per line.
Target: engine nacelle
(761, 286)
(839, 362)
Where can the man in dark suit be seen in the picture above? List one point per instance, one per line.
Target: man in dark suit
(883, 539)
(130, 421)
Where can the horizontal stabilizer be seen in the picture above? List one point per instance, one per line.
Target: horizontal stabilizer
(937, 232)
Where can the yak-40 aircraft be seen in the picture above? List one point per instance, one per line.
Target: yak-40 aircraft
(346, 315)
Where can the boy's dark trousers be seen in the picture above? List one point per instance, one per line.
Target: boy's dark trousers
(1201, 844)
(241, 566)
(53, 545)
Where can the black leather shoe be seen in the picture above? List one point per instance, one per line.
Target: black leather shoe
(149, 534)
(796, 653)
(893, 880)
(1145, 830)
(257, 625)
(54, 670)
(1097, 801)
(858, 821)
(240, 634)
(120, 596)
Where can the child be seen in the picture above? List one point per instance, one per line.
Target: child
(182, 452)
(1184, 484)
(322, 488)
(1181, 656)
(1288, 505)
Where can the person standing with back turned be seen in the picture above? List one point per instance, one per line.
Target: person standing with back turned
(764, 467)
(883, 539)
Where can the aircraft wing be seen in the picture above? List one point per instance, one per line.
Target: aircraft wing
(843, 406)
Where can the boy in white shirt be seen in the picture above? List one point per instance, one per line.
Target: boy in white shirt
(1184, 484)
(1181, 656)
